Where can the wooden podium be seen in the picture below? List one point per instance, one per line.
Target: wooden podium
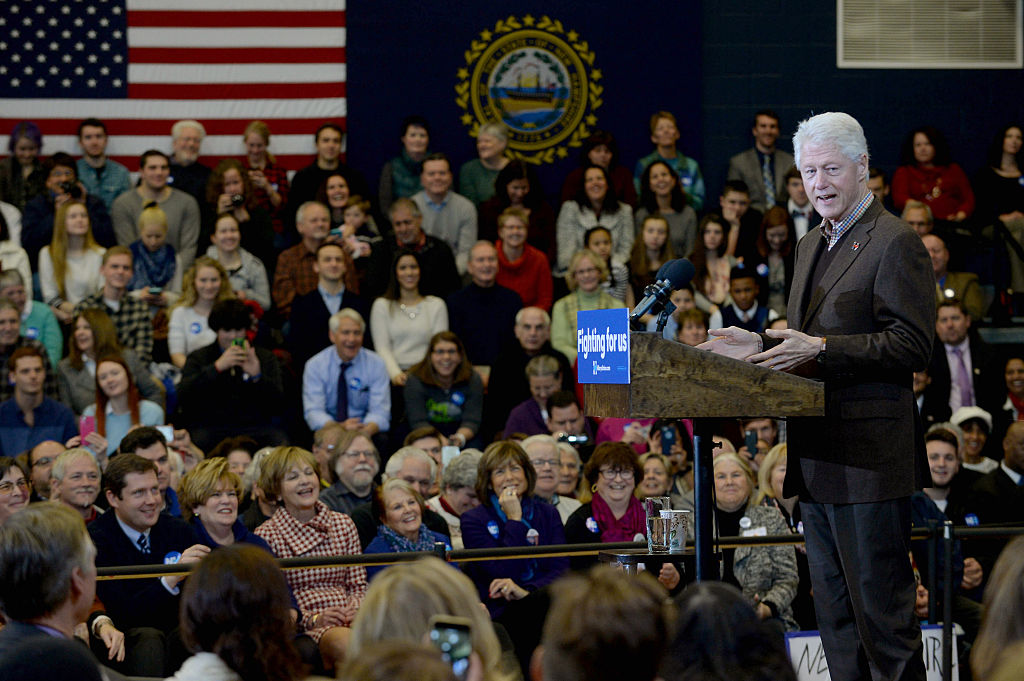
(672, 380)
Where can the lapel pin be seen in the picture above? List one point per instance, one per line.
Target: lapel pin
(855, 246)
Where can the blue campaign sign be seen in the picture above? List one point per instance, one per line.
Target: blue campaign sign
(602, 346)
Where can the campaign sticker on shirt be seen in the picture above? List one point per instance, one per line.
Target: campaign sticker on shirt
(755, 532)
(592, 525)
(971, 520)
(355, 383)
(745, 522)
(172, 557)
(195, 328)
(32, 332)
(800, 527)
(762, 269)
(273, 185)
(458, 398)
(492, 527)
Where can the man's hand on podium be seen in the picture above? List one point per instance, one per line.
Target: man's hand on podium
(732, 342)
(796, 348)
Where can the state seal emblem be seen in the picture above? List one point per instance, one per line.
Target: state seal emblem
(535, 77)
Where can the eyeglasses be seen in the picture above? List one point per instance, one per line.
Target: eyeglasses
(612, 473)
(538, 463)
(43, 461)
(8, 487)
(353, 455)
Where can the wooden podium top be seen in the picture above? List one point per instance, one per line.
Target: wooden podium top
(672, 380)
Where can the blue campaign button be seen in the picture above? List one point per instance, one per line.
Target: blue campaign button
(32, 332)
(172, 557)
(492, 527)
(355, 383)
(971, 520)
(195, 328)
(592, 525)
(458, 398)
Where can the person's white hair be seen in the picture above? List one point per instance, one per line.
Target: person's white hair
(300, 214)
(180, 126)
(832, 129)
(345, 313)
(522, 313)
(397, 460)
(496, 130)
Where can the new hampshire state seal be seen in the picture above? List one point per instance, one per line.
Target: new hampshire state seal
(536, 78)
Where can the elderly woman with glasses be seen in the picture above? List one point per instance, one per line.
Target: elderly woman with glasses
(14, 488)
(612, 513)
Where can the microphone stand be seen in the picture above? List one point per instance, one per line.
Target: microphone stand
(670, 307)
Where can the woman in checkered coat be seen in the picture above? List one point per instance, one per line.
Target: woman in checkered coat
(329, 597)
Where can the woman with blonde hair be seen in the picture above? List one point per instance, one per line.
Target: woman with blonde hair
(1003, 622)
(205, 284)
(302, 525)
(69, 268)
(767, 575)
(587, 270)
(401, 601)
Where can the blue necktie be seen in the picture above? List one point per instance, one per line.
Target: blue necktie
(143, 542)
(341, 413)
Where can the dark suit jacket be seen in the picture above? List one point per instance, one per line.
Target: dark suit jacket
(16, 633)
(995, 500)
(135, 603)
(746, 166)
(987, 376)
(308, 333)
(875, 307)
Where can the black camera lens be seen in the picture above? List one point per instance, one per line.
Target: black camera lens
(237, 200)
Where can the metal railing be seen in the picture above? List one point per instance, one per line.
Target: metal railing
(940, 537)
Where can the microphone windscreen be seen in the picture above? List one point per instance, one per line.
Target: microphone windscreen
(679, 272)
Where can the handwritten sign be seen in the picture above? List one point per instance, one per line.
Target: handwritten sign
(808, 658)
(602, 346)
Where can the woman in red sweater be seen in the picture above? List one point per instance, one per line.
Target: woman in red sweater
(928, 174)
(521, 267)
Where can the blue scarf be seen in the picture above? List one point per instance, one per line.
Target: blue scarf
(526, 503)
(401, 544)
(151, 269)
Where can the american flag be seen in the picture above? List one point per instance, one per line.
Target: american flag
(141, 65)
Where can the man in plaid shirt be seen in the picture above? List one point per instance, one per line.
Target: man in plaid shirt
(130, 315)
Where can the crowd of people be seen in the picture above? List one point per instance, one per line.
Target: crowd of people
(343, 372)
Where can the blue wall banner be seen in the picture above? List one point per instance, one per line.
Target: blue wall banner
(602, 346)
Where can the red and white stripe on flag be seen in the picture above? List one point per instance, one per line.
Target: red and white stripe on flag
(222, 63)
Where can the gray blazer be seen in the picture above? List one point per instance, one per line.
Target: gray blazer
(876, 308)
(78, 387)
(768, 572)
(745, 166)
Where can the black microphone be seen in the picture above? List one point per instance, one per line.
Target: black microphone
(674, 274)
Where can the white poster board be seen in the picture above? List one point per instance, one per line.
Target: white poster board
(808, 658)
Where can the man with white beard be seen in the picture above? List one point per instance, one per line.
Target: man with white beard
(355, 473)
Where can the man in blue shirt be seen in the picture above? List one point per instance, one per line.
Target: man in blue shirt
(365, 404)
(101, 175)
(30, 417)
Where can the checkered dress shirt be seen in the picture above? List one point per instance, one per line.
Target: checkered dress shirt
(328, 534)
